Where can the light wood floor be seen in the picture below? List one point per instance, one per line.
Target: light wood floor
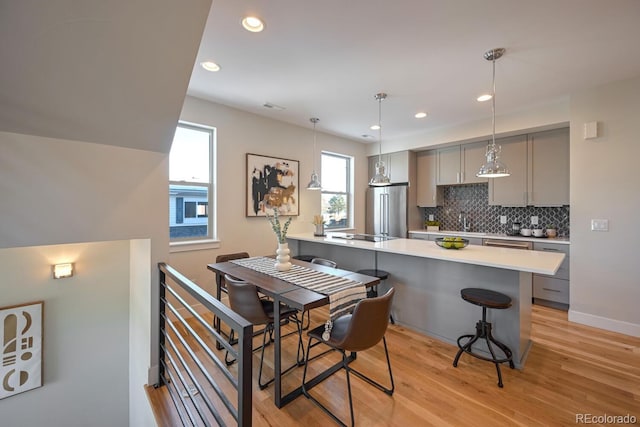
(571, 369)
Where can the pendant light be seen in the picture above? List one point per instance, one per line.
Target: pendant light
(493, 168)
(314, 184)
(380, 179)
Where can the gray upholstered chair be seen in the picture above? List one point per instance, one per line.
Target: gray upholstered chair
(325, 262)
(359, 331)
(227, 258)
(244, 300)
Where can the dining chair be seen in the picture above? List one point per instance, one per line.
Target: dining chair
(227, 258)
(359, 331)
(244, 300)
(326, 263)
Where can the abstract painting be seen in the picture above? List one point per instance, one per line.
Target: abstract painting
(21, 338)
(271, 183)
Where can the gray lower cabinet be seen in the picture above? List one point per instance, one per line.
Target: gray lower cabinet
(419, 236)
(552, 290)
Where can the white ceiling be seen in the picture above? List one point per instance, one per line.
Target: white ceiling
(328, 59)
(116, 72)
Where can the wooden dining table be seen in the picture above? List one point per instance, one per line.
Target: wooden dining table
(283, 292)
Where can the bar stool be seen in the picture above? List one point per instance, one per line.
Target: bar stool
(373, 292)
(485, 299)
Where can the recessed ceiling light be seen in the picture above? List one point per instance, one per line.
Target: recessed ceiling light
(253, 24)
(484, 97)
(374, 127)
(420, 115)
(210, 66)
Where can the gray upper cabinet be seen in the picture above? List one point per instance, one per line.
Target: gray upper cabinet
(539, 166)
(548, 180)
(448, 165)
(459, 164)
(427, 191)
(511, 190)
(397, 166)
(472, 157)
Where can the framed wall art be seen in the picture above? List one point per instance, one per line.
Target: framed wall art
(272, 182)
(21, 338)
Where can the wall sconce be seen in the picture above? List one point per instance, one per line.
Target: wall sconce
(62, 271)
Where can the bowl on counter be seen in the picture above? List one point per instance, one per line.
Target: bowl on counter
(538, 232)
(451, 242)
(525, 232)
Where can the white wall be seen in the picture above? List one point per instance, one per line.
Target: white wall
(605, 273)
(57, 191)
(239, 133)
(85, 334)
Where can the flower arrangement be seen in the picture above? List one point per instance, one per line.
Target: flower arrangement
(317, 220)
(281, 232)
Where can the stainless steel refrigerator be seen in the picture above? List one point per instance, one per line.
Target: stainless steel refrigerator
(387, 210)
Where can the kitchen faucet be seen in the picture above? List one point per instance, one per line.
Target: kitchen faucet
(462, 219)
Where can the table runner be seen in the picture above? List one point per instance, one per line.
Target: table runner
(343, 293)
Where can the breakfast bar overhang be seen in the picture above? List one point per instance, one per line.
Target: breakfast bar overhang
(428, 280)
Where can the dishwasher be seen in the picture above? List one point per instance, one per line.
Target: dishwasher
(512, 244)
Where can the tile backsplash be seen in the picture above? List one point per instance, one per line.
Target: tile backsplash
(473, 199)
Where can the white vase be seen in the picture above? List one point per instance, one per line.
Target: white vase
(319, 230)
(282, 257)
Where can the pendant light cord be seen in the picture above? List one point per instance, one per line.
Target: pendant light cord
(380, 128)
(314, 144)
(493, 104)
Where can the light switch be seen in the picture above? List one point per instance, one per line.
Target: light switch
(430, 217)
(503, 219)
(599, 225)
(534, 220)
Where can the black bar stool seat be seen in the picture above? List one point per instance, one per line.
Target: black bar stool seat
(373, 291)
(485, 298)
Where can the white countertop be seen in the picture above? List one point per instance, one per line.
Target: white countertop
(511, 259)
(558, 240)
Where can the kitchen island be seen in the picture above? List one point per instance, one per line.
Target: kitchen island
(428, 280)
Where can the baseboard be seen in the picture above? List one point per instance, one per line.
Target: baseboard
(605, 323)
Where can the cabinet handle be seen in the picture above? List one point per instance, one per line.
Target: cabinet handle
(551, 290)
(461, 177)
(550, 250)
(457, 177)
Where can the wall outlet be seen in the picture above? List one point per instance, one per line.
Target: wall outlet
(599, 225)
(430, 217)
(503, 219)
(534, 220)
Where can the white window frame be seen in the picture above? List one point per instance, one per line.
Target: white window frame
(210, 241)
(348, 186)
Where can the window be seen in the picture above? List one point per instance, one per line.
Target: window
(191, 184)
(336, 190)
